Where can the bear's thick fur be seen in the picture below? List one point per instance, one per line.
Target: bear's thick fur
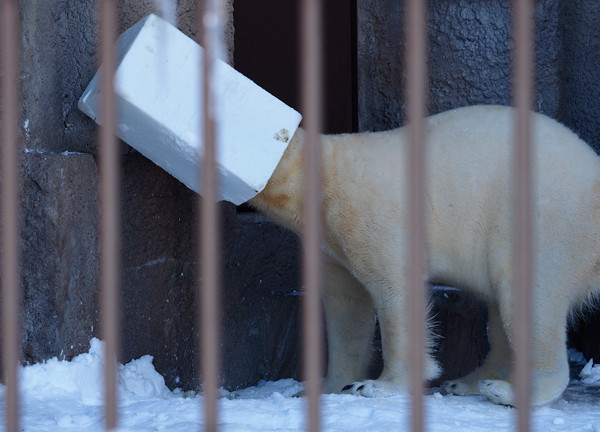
(469, 235)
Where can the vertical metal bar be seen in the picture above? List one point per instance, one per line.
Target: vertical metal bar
(209, 230)
(523, 251)
(109, 211)
(10, 211)
(416, 84)
(311, 72)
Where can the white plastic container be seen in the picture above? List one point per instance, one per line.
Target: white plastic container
(158, 88)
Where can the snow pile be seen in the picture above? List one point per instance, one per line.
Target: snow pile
(68, 396)
(139, 378)
(590, 374)
(83, 378)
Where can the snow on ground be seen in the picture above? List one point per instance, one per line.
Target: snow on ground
(67, 396)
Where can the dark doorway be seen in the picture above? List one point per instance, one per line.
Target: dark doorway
(266, 51)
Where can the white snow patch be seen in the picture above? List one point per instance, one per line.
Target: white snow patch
(590, 374)
(27, 130)
(46, 152)
(68, 396)
(139, 378)
(81, 378)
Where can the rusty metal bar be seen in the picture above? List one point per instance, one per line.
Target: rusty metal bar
(209, 219)
(311, 72)
(416, 83)
(10, 211)
(523, 248)
(109, 211)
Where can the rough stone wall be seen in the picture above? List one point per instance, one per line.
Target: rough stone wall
(580, 110)
(469, 57)
(59, 253)
(59, 226)
(581, 87)
(159, 236)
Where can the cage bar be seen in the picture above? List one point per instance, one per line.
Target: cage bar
(311, 85)
(416, 82)
(10, 211)
(209, 228)
(109, 212)
(523, 248)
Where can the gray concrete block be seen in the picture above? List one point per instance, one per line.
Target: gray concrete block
(59, 264)
(159, 278)
(158, 270)
(469, 53)
(160, 309)
(469, 58)
(379, 63)
(581, 94)
(58, 59)
(261, 303)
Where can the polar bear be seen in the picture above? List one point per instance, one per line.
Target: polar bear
(469, 225)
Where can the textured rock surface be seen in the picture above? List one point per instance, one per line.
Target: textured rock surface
(158, 268)
(58, 58)
(59, 233)
(581, 95)
(159, 241)
(580, 110)
(259, 284)
(261, 302)
(469, 57)
(60, 312)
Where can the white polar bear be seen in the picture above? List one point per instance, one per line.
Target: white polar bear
(470, 217)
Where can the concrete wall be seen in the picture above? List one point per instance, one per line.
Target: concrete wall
(159, 237)
(581, 75)
(469, 57)
(580, 110)
(59, 180)
(470, 60)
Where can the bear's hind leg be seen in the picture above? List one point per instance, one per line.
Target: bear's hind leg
(550, 367)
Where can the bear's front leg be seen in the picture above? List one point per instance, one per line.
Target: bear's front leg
(392, 310)
(350, 323)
